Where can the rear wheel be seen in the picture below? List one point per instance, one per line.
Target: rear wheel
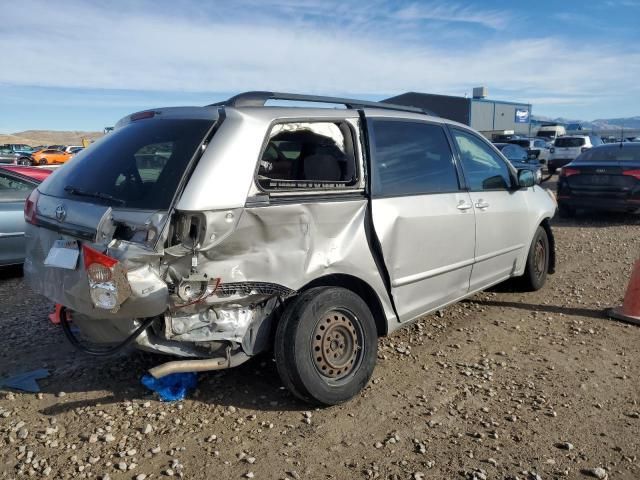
(43, 161)
(326, 345)
(535, 273)
(24, 161)
(551, 169)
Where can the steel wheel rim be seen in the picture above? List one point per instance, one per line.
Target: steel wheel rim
(539, 258)
(336, 345)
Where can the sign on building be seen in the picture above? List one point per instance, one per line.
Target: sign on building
(522, 115)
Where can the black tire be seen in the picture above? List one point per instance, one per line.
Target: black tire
(566, 211)
(551, 169)
(43, 161)
(535, 273)
(24, 161)
(306, 328)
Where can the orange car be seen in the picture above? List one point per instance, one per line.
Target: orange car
(50, 157)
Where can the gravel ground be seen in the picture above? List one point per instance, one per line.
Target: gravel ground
(505, 385)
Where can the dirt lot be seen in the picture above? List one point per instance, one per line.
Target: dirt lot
(505, 385)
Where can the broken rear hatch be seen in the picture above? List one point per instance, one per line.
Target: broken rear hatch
(114, 199)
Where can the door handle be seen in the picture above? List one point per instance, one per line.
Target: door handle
(462, 205)
(482, 204)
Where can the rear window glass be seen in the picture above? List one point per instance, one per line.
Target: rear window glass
(137, 166)
(547, 134)
(610, 154)
(308, 155)
(522, 143)
(569, 142)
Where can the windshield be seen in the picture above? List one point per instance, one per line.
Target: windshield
(137, 166)
(611, 154)
(569, 142)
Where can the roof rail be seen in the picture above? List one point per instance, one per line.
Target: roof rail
(258, 99)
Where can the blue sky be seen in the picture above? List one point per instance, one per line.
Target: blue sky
(70, 65)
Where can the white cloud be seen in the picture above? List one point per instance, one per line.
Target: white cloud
(451, 12)
(228, 49)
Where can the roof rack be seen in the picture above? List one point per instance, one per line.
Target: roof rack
(258, 99)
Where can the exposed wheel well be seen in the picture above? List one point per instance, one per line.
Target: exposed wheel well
(360, 288)
(552, 245)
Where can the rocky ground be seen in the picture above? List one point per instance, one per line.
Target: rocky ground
(505, 385)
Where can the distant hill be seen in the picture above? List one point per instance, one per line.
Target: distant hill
(598, 124)
(49, 137)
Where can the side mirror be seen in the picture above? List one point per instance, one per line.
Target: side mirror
(526, 178)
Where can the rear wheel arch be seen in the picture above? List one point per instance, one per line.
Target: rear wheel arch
(360, 288)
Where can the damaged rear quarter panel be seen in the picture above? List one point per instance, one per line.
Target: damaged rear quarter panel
(294, 244)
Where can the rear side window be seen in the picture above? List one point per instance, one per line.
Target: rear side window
(13, 188)
(137, 166)
(308, 155)
(411, 158)
(569, 142)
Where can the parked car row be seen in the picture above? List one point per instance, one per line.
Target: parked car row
(20, 154)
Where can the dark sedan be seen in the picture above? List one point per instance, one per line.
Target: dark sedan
(602, 178)
(520, 158)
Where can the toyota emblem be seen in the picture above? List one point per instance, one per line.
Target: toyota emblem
(61, 213)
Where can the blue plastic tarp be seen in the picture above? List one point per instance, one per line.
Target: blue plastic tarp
(172, 387)
(25, 381)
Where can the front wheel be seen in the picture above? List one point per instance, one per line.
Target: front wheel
(326, 345)
(24, 161)
(43, 161)
(535, 273)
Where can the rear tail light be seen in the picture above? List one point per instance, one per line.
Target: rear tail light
(108, 283)
(632, 173)
(567, 172)
(30, 207)
(92, 257)
(584, 149)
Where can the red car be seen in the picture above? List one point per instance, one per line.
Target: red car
(38, 174)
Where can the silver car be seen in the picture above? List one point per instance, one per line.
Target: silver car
(216, 233)
(14, 190)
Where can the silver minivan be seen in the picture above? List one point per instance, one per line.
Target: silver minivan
(215, 233)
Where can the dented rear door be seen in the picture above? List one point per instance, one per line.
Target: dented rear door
(424, 221)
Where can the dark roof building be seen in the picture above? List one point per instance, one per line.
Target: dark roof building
(491, 117)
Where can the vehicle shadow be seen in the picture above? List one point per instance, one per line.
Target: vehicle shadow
(254, 385)
(597, 219)
(584, 312)
(12, 271)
